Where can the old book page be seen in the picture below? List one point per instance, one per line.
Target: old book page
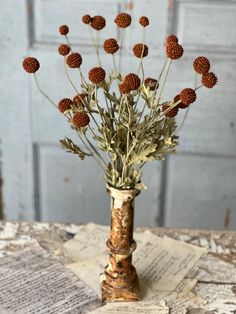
(162, 264)
(33, 281)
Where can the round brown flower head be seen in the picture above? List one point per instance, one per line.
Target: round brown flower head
(133, 81)
(188, 96)
(97, 75)
(87, 19)
(74, 60)
(65, 104)
(144, 21)
(174, 50)
(171, 38)
(180, 105)
(170, 114)
(123, 20)
(30, 65)
(209, 80)
(201, 65)
(78, 99)
(80, 119)
(63, 49)
(98, 22)
(140, 50)
(64, 30)
(111, 46)
(151, 83)
(124, 88)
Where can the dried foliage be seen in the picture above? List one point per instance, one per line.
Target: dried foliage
(120, 118)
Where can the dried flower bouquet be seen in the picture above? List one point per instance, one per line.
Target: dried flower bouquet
(122, 121)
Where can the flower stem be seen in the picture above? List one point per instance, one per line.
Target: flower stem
(42, 92)
(95, 45)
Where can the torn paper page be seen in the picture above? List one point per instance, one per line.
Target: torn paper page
(90, 241)
(133, 307)
(162, 264)
(33, 281)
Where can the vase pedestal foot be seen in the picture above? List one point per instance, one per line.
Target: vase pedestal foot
(117, 288)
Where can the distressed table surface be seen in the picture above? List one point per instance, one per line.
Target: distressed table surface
(216, 278)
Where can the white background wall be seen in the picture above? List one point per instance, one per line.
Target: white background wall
(195, 188)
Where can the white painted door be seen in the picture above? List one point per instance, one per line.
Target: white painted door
(195, 188)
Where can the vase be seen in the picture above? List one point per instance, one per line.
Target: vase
(119, 282)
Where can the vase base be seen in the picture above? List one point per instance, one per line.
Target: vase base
(112, 291)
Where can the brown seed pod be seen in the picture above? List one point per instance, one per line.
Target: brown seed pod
(64, 30)
(123, 20)
(78, 99)
(201, 65)
(209, 80)
(86, 19)
(111, 46)
(124, 88)
(98, 22)
(80, 119)
(63, 49)
(180, 105)
(97, 75)
(30, 64)
(74, 60)
(140, 50)
(133, 81)
(170, 114)
(65, 104)
(174, 51)
(172, 38)
(188, 96)
(151, 83)
(144, 21)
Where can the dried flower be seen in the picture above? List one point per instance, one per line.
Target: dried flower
(98, 22)
(151, 83)
(111, 46)
(65, 104)
(174, 50)
(123, 20)
(201, 65)
(171, 38)
(170, 114)
(31, 64)
(64, 30)
(188, 96)
(144, 21)
(87, 19)
(97, 75)
(209, 80)
(133, 81)
(80, 119)
(140, 50)
(180, 105)
(78, 99)
(63, 49)
(74, 60)
(124, 88)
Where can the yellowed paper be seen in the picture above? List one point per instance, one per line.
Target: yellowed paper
(90, 241)
(162, 263)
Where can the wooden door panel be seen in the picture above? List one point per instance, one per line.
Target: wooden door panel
(201, 192)
(48, 15)
(205, 25)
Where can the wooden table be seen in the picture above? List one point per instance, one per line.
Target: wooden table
(217, 275)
